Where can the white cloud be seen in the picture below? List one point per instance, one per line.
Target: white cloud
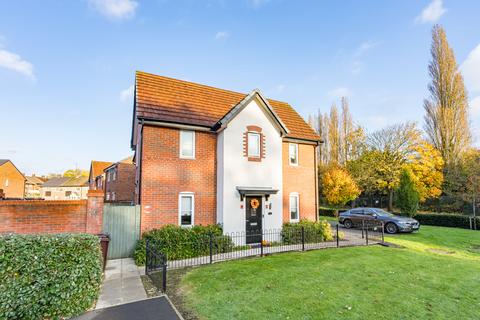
(364, 47)
(339, 92)
(116, 9)
(432, 12)
(127, 94)
(13, 61)
(470, 69)
(257, 3)
(222, 35)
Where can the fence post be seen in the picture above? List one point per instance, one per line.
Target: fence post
(303, 238)
(338, 239)
(210, 236)
(146, 256)
(164, 275)
(363, 228)
(366, 235)
(383, 232)
(261, 245)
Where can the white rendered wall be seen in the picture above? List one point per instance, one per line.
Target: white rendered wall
(234, 169)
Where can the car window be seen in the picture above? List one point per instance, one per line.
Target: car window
(356, 211)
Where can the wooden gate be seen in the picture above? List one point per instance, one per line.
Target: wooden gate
(122, 223)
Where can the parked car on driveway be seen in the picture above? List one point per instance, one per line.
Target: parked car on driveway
(392, 223)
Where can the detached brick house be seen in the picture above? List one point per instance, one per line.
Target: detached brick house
(12, 181)
(120, 182)
(96, 178)
(205, 155)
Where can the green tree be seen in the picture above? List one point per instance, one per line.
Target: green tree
(75, 173)
(407, 194)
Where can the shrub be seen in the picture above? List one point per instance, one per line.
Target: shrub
(181, 243)
(48, 276)
(446, 220)
(313, 232)
(407, 194)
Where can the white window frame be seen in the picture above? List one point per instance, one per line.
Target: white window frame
(297, 196)
(289, 155)
(192, 196)
(108, 196)
(259, 138)
(108, 176)
(114, 174)
(113, 196)
(181, 143)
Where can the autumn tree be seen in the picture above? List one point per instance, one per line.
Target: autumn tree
(407, 194)
(426, 166)
(334, 135)
(338, 187)
(446, 111)
(75, 173)
(389, 150)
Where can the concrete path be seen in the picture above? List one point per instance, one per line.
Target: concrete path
(122, 284)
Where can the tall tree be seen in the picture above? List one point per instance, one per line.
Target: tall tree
(407, 194)
(446, 112)
(334, 135)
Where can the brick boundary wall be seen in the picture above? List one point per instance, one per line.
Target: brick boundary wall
(63, 216)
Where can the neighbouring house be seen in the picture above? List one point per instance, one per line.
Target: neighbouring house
(120, 182)
(206, 155)
(12, 181)
(96, 178)
(33, 185)
(65, 188)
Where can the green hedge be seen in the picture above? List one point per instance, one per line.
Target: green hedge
(48, 276)
(445, 220)
(181, 243)
(313, 232)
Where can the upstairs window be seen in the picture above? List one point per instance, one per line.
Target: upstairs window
(293, 154)
(294, 207)
(114, 174)
(253, 145)
(186, 209)
(187, 144)
(68, 193)
(48, 193)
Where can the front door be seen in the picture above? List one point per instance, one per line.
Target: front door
(253, 216)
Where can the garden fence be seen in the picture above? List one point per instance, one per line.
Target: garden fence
(212, 248)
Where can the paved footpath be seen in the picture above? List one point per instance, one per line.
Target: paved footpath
(122, 284)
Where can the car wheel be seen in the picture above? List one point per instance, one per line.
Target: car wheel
(348, 223)
(391, 228)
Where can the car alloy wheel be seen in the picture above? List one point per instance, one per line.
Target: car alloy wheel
(348, 224)
(391, 228)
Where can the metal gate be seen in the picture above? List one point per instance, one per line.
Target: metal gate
(122, 223)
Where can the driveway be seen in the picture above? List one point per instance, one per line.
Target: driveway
(158, 308)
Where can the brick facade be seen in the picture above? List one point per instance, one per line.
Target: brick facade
(38, 216)
(164, 175)
(12, 181)
(300, 179)
(124, 184)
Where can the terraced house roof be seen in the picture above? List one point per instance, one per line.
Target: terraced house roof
(165, 99)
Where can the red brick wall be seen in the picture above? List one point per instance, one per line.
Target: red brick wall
(62, 216)
(124, 183)
(301, 179)
(164, 175)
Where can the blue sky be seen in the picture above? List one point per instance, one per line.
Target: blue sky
(66, 66)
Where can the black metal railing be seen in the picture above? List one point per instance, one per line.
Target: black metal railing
(156, 266)
(210, 248)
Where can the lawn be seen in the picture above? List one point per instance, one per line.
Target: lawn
(434, 275)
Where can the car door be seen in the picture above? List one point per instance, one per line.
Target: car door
(356, 215)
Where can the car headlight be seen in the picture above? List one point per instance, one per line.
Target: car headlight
(403, 223)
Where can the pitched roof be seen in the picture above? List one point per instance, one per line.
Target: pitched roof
(67, 182)
(97, 167)
(34, 180)
(55, 182)
(3, 161)
(165, 99)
